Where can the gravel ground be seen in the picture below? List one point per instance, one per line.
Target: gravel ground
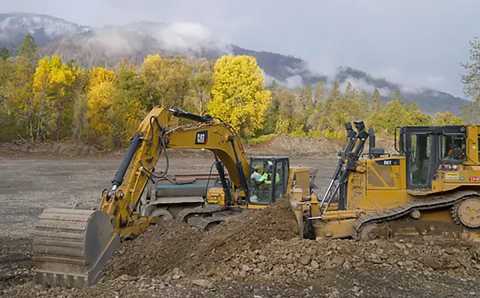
(255, 255)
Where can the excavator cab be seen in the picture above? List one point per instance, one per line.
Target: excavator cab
(267, 179)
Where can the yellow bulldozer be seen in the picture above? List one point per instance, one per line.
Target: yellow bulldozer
(429, 188)
(71, 246)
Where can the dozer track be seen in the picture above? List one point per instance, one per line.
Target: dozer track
(71, 247)
(427, 203)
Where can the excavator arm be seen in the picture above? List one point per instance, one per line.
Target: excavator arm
(72, 246)
(145, 148)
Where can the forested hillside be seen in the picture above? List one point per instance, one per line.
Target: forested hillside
(50, 98)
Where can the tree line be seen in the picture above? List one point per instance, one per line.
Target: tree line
(47, 98)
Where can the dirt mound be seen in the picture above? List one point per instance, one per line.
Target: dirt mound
(296, 147)
(156, 252)
(259, 253)
(166, 247)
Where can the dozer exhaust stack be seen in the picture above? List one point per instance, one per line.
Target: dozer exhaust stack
(71, 247)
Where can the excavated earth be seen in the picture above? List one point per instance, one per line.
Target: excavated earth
(257, 254)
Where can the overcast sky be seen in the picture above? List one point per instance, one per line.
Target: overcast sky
(417, 43)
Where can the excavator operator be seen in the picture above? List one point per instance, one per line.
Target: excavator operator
(267, 176)
(257, 173)
(456, 151)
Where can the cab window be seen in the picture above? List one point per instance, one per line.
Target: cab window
(419, 159)
(281, 178)
(453, 147)
(260, 184)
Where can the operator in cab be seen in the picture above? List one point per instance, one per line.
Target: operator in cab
(257, 173)
(456, 152)
(267, 176)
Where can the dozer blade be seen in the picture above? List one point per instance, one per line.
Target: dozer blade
(71, 247)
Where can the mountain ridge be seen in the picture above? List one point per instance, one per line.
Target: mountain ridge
(107, 45)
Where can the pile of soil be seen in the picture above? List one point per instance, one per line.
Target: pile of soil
(259, 253)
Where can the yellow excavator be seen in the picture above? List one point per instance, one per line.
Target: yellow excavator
(71, 246)
(429, 188)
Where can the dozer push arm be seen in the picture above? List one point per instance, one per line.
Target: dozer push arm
(347, 148)
(145, 148)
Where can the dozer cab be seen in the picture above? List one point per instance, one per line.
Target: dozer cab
(72, 246)
(429, 188)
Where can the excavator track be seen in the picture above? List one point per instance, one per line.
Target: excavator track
(205, 218)
(71, 247)
(432, 202)
(183, 215)
(207, 223)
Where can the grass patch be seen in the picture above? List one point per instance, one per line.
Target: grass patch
(260, 139)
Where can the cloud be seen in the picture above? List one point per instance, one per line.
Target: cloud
(187, 36)
(361, 84)
(294, 82)
(267, 79)
(411, 82)
(182, 38)
(323, 63)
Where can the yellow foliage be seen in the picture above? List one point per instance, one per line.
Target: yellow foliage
(238, 93)
(53, 84)
(166, 78)
(132, 112)
(100, 102)
(446, 118)
(99, 75)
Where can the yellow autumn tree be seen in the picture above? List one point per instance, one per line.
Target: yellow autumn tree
(166, 78)
(238, 93)
(53, 87)
(113, 114)
(447, 118)
(100, 95)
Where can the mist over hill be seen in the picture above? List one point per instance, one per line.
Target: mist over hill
(105, 46)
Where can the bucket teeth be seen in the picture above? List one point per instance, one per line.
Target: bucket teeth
(71, 247)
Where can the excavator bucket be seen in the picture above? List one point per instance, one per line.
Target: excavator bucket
(71, 247)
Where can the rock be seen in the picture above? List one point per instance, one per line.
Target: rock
(305, 260)
(431, 262)
(399, 245)
(338, 260)
(176, 277)
(464, 263)
(334, 294)
(202, 283)
(128, 278)
(347, 265)
(450, 250)
(314, 264)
